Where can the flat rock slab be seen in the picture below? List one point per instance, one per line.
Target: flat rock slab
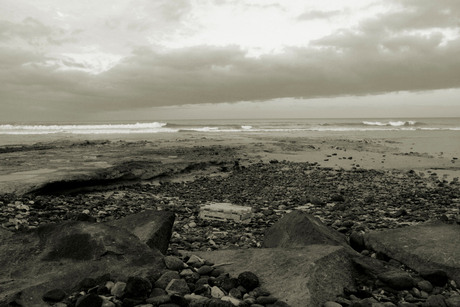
(61, 255)
(433, 245)
(306, 276)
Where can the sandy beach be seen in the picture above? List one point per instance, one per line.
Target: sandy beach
(167, 164)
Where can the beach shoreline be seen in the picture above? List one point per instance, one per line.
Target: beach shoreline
(66, 171)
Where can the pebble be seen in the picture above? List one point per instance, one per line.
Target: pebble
(118, 289)
(216, 292)
(453, 301)
(55, 295)
(165, 278)
(248, 280)
(397, 279)
(205, 270)
(425, 285)
(89, 300)
(138, 287)
(177, 286)
(331, 304)
(174, 263)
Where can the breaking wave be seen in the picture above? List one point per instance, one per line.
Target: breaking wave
(391, 123)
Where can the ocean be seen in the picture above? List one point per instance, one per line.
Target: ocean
(444, 131)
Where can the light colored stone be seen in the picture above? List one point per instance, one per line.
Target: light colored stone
(234, 301)
(217, 292)
(195, 297)
(118, 289)
(195, 261)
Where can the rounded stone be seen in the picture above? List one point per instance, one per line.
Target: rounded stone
(165, 278)
(89, 300)
(436, 277)
(266, 300)
(55, 295)
(453, 301)
(331, 304)
(205, 270)
(138, 287)
(174, 263)
(118, 289)
(248, 280)
(357, 241)
(425, 285)
(436, 301)
(397, 279)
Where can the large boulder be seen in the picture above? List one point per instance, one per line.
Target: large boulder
(425, 247)
(298, 229)
(306, 276)
(152, 227)
(60, 255)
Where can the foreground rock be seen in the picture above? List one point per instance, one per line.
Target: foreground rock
(298, 229)
(306, 276)
(56, 256)
(424, 248)
(152, 227)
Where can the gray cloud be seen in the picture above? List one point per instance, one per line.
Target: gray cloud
(33, 32)
(381, 55)
(316, 14)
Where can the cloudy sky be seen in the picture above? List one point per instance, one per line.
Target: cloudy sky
(162, 59)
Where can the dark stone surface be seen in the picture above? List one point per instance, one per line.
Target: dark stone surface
(248, 280)
(297, 229)
(152, 227)
(43, 259)
(55, 295)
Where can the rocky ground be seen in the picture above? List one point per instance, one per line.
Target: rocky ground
(349, 201)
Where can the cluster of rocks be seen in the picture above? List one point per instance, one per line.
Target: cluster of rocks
(195, 282)
(390, 283)
(356, 200)
(350, 202)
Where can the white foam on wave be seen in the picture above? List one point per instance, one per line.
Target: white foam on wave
(390, 123)
(86, 129)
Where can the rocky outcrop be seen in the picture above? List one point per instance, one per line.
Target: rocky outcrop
(298, 229)
(306, 276)
(151, 227)
(60, 255)
(424, 248)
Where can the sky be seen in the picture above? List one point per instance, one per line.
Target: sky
(161, 59)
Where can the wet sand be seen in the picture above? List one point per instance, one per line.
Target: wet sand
(25, 167)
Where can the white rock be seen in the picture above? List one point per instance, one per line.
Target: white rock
(109, 285)
(118, 289)
(234, 301)
(217, 292)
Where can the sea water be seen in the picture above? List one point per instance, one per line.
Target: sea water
(443, 133)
